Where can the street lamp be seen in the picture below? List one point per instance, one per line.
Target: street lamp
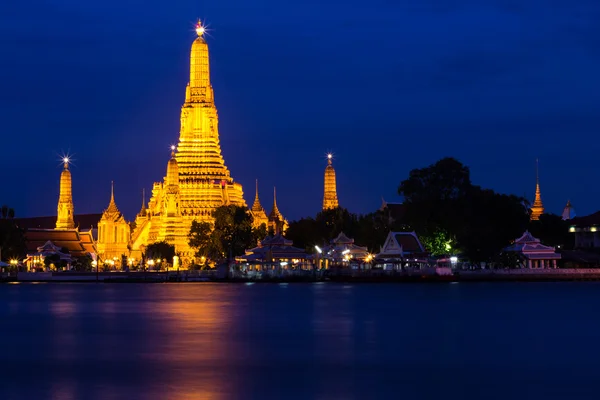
(14, 262)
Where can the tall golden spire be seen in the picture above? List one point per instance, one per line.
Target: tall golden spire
(197, 180)
(538, 208)
(112, 212)
(330, 199)
(259, 215)
(199, 157)
(257, 207)
(64, 219)
(275, 211)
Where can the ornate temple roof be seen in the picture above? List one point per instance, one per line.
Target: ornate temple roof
(532, 248)
(274, 247)
(78, 243)
(276, 240)
(112, 212)
(257, 208)
(275, 214)
(401, 244)
(342, 239)
(527, 237)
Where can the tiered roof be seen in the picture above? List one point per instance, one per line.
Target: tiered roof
(532, 248)
(274, 247)
(78, 243)
(112, 212)
(399, 245)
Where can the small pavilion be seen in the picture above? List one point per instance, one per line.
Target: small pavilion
(274, 251)
(402, 249)
(533, 253)
(343, 250)
(46, 250)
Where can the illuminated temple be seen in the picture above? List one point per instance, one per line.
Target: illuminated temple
(330, 199)
(537, 208)
(197, 180)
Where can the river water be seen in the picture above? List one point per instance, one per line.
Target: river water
(299, 341)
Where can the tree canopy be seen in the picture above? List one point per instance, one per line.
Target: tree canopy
(12, 238)
(161, 250)
(230, 235)
(452, 215)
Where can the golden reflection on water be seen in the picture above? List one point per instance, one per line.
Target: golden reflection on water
(195, 324)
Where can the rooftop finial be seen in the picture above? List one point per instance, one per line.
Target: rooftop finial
(173, 147)
(66, 162)
(329, 158)
(199, 28)
(112, 191)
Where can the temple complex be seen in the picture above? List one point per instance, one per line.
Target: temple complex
(538, 208)
(197, 180)
(113, 232)
(65, 210)
(330, 199)
(65, 240)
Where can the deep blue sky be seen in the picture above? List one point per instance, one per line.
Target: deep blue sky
(387, 85)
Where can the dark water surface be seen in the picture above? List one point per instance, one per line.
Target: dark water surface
(300, 341)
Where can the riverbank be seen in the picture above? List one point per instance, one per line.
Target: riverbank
(372, 276)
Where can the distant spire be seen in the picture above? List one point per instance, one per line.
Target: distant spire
(257, 207)
(330, 199)
(537, 208)
(65, 209)
(568, 211)
(275, 211)
(112, 209)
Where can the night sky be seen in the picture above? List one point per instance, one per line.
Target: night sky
(386, 85)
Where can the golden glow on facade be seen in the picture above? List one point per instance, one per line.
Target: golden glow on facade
(259, 214)
(330, 199)
(113, 231)
(65, 210)
(197, 180)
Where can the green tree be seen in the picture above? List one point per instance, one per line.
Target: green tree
(443, 207)
(202, 238)
(12, 238)
(259, 233)
(304, 233)
(374, 227)
(333, 221)
(233, 229)
(491, 222)
(83, 263)
(54, 259)
(231, 234)
(160, 250)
